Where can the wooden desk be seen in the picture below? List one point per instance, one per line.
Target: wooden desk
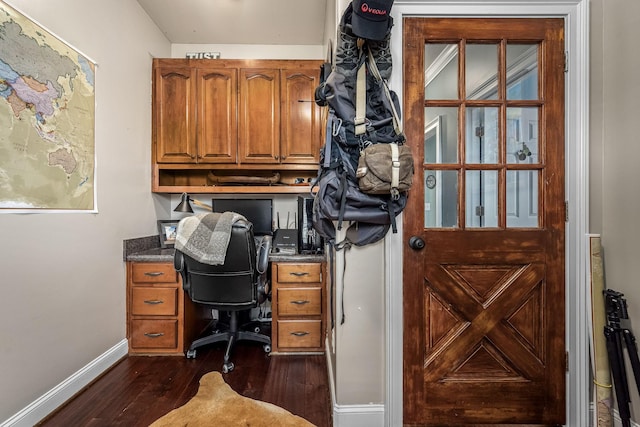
(162, 320)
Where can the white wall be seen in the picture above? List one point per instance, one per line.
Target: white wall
(615, 150)
(245, 51)
(63, 277)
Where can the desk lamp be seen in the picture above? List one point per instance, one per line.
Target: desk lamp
(185, 206)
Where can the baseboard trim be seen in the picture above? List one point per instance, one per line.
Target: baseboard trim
(358, 415)
(51, 400)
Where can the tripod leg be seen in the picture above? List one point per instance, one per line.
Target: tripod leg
(618, 372)
(630, 340)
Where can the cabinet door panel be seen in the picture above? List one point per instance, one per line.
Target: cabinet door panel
(259, 121)
(174, 115)
(300, 126)
(299, 301)
(217, 111)
(154, 334)
(299, 273)
(154, 301)
(153, 272)
(299, 334)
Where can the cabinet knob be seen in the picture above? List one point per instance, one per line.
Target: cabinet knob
(275, 157)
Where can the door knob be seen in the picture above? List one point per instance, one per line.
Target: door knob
(416, 243)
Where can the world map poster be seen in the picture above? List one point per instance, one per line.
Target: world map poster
(47, 119)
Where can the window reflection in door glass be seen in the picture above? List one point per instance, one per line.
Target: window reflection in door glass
(522, 71)
(522, 135)
(481, 201)
(481, 71)
(440, 199)
(441, 71)
(441, 135)
(522, 198)
(481, 138)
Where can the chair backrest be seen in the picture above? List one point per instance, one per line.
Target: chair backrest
(230, 286)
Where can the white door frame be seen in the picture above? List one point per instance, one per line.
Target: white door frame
(576, 15)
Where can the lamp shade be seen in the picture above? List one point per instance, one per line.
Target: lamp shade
(184, 205)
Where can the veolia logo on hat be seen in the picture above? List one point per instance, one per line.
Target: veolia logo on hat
(371, 18)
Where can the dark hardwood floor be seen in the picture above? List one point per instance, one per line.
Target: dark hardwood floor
(140, 389)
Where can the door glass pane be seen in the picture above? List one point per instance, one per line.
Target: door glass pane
(522, 198)
(522, 135)
(522, 71)
(481, 202)
(481, 139)
(441, 135)
(440, 199)
(481, 71)
(441, 71)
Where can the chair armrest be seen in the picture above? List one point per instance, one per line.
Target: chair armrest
(178, 261)
(178, 264)
(263, 254)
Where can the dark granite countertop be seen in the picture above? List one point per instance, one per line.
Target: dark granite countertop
(147, 249)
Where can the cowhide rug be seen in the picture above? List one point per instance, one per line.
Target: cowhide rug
(216, 404)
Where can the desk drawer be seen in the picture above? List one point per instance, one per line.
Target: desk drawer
(154, 334)
(299, 301)
(153, 273)
(299, 273)
(150, 301)
(299, 334)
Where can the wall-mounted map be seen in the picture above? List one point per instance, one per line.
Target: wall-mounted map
(47, 119)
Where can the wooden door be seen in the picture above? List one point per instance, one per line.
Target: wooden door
(259, 118)
(217, 115)
(300, 116)
(484, 314)
(174, 113)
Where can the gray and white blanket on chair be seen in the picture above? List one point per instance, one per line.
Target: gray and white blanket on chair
(205, 237)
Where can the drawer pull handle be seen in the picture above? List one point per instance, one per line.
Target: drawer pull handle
(154, 273)
(153, 334)
(299, 273)
(153, 301)
(300, 302)
(299, 334)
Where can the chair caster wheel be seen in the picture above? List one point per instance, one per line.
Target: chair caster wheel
(227, 367)
(267, 348)
(191, 354)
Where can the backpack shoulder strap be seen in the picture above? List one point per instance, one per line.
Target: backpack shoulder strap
(361, 101)
(373, 68)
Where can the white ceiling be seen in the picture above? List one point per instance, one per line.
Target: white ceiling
(280, 22)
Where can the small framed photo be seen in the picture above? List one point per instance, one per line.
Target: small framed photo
(167, 230)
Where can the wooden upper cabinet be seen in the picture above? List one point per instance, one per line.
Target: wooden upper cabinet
(259, 120)
(217, 99)
(279, 120)
(234, 118)
(300, 116)
(174, 115)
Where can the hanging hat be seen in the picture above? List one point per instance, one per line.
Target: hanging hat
(371, 18)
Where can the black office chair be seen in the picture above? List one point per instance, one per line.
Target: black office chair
(241, 283)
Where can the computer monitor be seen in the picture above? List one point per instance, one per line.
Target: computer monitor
(257, 211)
